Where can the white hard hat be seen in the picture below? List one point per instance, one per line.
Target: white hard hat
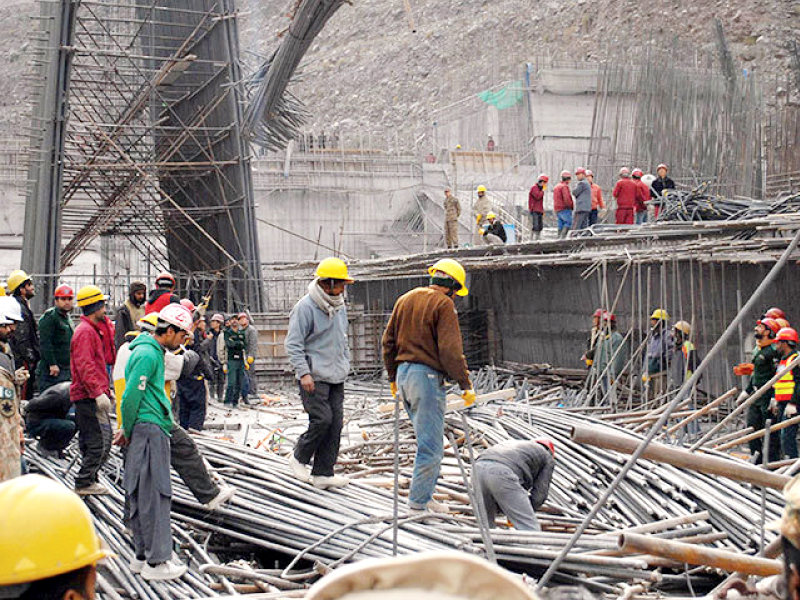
(10, 309)
(177, 315)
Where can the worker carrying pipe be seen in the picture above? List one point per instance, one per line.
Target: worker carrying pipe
(514, 478)
(422, 348)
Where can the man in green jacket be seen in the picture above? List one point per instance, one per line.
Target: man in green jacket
(609, 358)
(146, 425)
(55, 335)
(235, 347)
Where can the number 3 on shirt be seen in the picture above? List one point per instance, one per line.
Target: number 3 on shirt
(142, 383)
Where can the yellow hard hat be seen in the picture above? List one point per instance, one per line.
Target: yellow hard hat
(455, 270)
(148, 322)
(491, 215)
(661, 314)
(481, 188)
(47, 531)
(684, 326)
(16, 279)
(333, 268)
(2, 291)
(89, 294)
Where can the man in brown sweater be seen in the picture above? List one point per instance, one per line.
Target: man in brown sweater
(422, 348)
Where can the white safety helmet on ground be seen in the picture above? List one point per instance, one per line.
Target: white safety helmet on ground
(10, 308)
(648, 179)
(177, 315)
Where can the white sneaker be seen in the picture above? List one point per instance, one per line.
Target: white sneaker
(299, 470)
(225, 494)
(334, 481)
(164, 571)
(136, 565)
(95, 489)
(431, 507)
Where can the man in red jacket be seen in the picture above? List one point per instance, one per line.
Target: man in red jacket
(536, 205)
(162, 295)
(562, 204)
(89, 390)
(625, 193)
(642, 197)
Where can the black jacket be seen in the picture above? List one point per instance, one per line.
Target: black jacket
(497, 229)
(530, 461)
(53, 403)
(659, 185)
(25, 341)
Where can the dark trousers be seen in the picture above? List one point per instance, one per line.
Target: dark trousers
(593, 217)
(757, 415)
(788, 434)
(53, 434)
(325, 416)
(537, 221)
(218, 385)
(246, 385)
(235, 376)
(94, 440)
(192, 403)
(28, 386)
(44, 380)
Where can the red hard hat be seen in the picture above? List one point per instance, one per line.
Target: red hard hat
(580, 170)
(599, 312)
(165, 278)
(662, 166)
(589, 173)
(64, 291)
(771, 324)
(566, 175)
(624, 171)
(782, 322)
(607, 316)
(547, 443)
(775, 313)
(188, 304)
(637, 173)
(544, 178)
(787, 334)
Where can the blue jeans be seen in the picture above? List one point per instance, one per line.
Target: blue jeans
(641, 217)
(421, 389)
(564, 219)
(788, 434)
(53, 434)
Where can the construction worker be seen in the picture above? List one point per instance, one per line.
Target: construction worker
(48, 420)
(192, 394)
(185, 457)
(481, 208)
(422, 348)
(320, 356)
(494, 234)
(626, 192)
(249, 384)
(130, 312)
(452, 211)
(642, 197)
(162, 295)
(609, 359)
(594, 337)
(659, 185)
(536, 205)
(775, 313)
(761, 369)
(562, 204)
(49, 548)
(490, 145)
(583, 200)
(55, 331)
(89, 391)
(514, 477)
(25, 340)
(147, 424)
(597, 198)
(684, 358)
(212, 339)
(11, 429)
(786, 390)
(233, 366)
(659, 354)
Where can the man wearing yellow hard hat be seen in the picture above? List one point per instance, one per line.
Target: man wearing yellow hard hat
(319, 353)
(480, 209)
(48, 544)
(659, 354)
(422, 348)
(25, 340)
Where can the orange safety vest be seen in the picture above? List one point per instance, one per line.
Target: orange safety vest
(784, 387)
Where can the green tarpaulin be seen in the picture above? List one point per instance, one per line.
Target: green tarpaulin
(505, 97)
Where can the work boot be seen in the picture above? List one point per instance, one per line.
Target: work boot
(334, 481)
(163, 572)
(95, 489)
(225, 494)
(299, 470)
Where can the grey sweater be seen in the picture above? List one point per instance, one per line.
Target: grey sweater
(530, 461)
(317, 343)
(583, 196)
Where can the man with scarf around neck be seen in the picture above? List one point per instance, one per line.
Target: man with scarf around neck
(422, 348)
(320, 356)
(129, 313)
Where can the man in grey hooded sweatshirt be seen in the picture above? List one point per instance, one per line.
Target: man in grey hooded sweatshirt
(583, 201)
(320, 356)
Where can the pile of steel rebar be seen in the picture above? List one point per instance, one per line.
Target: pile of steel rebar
(698, 205)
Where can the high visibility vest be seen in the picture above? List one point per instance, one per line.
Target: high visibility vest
(687, 347)
(784, 387)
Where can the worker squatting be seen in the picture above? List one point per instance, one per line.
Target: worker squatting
(575, 207)
(422, 352)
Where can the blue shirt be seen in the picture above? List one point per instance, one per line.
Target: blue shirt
(317, 343)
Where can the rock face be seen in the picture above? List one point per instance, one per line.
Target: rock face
(371, 70)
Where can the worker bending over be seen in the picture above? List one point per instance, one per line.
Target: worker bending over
(422, 348)
(493, 232)
(514, 478)
(320, 356)
(49, 548)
